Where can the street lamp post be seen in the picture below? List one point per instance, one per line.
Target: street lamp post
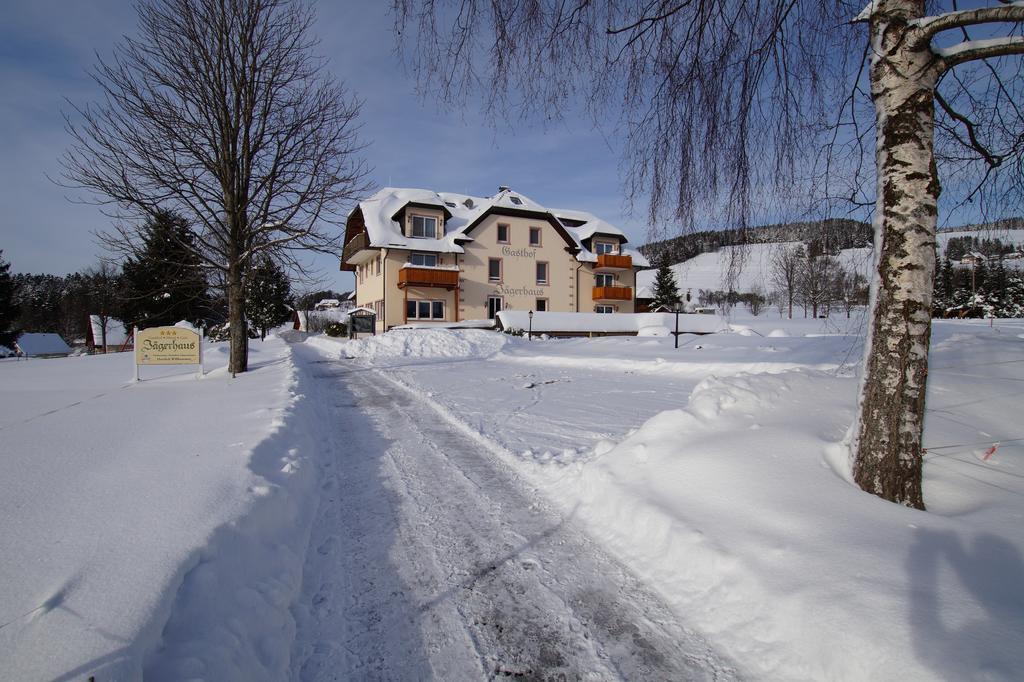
(677, 307)
(529, 334)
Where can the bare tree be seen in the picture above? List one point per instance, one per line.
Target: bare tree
(103, 286)
(705, 88)
(219, 112)
(785, 271)
(814, 282)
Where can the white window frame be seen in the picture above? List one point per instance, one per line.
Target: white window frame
(536, 305)
(540, 236)
(419, 254)
(547, 272)
(613, 247)
(417, 302)
(501, 270)
(604, 308)
(605, 277)
(424, 218)
(508, 233)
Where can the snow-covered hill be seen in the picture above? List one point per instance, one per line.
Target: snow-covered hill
(1015, 237)
(739, 268)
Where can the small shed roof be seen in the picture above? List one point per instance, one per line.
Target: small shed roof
(36, 343)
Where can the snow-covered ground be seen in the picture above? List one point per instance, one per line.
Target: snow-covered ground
(717, 472)
(425, 503)
(150, 526)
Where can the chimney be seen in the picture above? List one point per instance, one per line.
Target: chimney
(503, 188)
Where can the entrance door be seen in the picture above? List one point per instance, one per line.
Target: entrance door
(493, 306)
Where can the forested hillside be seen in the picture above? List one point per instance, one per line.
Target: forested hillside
(829, 236)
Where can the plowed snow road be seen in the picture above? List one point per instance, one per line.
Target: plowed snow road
(432, 559)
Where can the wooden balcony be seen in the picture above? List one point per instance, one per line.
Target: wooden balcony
(613, 293)
(608, 261)
(355, 245)
(427, 277)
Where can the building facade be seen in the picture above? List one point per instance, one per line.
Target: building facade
(424, 256)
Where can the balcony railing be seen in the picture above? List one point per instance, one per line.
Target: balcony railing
(428, 277)
(613, 293)
(609, 261)
(354, 246)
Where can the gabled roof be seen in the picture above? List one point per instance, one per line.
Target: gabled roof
(116, 333)
(378, 216)
(34, 343)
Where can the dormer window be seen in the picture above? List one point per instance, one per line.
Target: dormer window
(424, 226)
(605, 247)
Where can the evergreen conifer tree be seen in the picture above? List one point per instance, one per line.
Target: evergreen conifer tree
(166, 284)
(268, 293)
(666, 293)
(8, 305)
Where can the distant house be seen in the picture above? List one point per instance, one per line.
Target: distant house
(342, 304)
(42, 345)
(973, 258)
(117, 337)
(315, 321)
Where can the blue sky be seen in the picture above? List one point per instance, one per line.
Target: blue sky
(46, 48)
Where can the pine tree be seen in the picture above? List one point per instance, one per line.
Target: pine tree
(8, 305)
(166, 284)
(268, 293)
(666, 293)
(943, 287)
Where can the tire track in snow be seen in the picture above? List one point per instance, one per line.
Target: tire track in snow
(431, 559)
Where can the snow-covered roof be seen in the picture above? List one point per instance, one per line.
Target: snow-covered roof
(116, 334)
(33, 343)
(463, 211)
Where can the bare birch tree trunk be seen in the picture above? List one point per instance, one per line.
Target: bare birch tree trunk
(904, 75)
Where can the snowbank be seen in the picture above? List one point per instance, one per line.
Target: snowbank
(740, 508)
(425, 343)
(737, 504)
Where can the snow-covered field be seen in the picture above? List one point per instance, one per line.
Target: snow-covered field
(750, 263)
(1015, 237)
(127, 510)
(718, 473)
(163, 528)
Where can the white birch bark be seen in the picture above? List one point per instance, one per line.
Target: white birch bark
(904, 74)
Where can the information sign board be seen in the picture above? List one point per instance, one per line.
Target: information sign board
(168, 346)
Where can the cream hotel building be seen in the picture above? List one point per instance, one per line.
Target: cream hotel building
(424, 256)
